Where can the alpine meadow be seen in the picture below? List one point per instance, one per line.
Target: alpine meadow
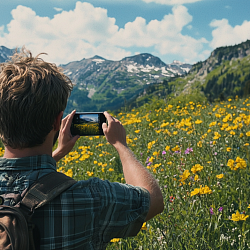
(199, 153)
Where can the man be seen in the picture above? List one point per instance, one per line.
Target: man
(33, 96)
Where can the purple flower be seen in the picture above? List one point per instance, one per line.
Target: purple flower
(147, 159)
(177, 152)
(149, 164)
(220, 209)
(141, 154)
(188, 150)
(163, 152)
(211, 210)
(215, 153)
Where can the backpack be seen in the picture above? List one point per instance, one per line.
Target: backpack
(16, 211)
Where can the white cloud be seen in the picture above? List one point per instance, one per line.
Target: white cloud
(69, 35)
(224, 34)
(172, 2)
(87, 30)
(165, 35)
(58, 9)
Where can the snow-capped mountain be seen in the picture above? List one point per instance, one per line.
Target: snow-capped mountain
(5, 53)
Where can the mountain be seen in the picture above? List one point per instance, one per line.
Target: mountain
(102, 84)
(225, 74)
(5, 53)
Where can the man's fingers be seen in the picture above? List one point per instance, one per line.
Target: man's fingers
(69, 119)
(108, 116)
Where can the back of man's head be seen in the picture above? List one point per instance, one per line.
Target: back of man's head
(32, 93)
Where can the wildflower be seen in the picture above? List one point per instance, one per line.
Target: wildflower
(163, 152)
(237, 216)
(171, 198)
(185, 175)
(144, 226)
(115, 240)
(248, 133)
(167, 148)
(196, 178)
(188, 150)
(199, 144)
(196, 168)
(90, 173)
(220, 209)
(69, 173)
(111, 169)
(137, 131)
(238, 163)
(198, 121)
(176, 148)
(211, 210)
(220, 176)
(196, 191)
(150, 144)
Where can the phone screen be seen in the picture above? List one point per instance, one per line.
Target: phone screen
(85, 124)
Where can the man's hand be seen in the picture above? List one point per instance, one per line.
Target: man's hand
(114, 131)
(65, 140)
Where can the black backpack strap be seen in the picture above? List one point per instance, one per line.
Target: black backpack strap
(45, 189)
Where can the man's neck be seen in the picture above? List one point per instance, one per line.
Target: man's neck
(19, 153)
(45, 148)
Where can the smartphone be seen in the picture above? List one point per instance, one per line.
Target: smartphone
(87, 123)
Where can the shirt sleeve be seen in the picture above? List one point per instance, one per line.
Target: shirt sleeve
(125, 208)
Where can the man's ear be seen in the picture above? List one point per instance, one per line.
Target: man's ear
(57, 122)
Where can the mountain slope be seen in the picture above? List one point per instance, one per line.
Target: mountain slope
(5, 53)
(225, 74)
(104, 84)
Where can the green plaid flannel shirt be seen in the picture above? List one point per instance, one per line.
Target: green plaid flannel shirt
(87, 215)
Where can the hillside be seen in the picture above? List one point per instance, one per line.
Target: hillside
(225, 74)
(102, 84)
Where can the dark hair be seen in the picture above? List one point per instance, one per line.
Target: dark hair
(32, 93)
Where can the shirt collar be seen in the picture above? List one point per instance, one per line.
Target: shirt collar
(28, 163)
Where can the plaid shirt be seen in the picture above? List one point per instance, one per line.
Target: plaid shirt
(87, 215)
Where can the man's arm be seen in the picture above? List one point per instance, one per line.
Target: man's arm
(134, 172)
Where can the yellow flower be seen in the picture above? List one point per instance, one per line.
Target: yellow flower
(196, 178)
(196, 191)
(248, 133)
(185, 175)
(198, 121)
(111, 169)
(196, 168)
(199, 144)
(144, 226)
(69, 173)
(150, 144)
(237, 216)
(229, 149)
(220, 176)
(167, 148)
(240, 163)
(115, 240)
(176, 148)
(216, 135)
(90, 173)
(205, 190)
(137, 131)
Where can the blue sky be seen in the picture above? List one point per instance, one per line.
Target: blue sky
(69, 30)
